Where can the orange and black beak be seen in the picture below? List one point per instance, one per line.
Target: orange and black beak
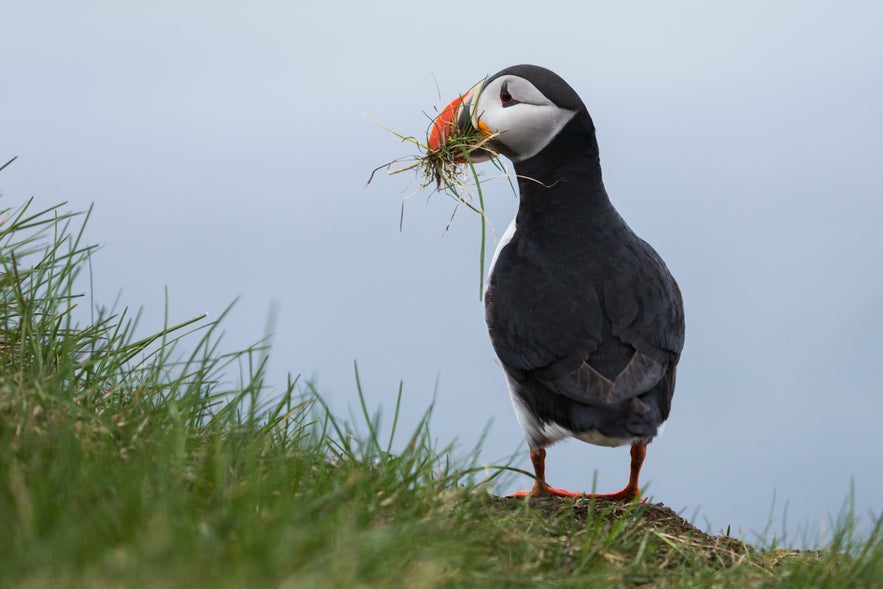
(459, 118)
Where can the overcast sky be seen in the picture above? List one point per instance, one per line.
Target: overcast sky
(225, 148)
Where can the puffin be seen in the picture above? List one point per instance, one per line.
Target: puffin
(584, 316)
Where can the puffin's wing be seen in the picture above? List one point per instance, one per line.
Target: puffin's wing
(643, 305)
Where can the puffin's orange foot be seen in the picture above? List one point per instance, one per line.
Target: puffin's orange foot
(517, 494)
(546, 491)
(625, 496)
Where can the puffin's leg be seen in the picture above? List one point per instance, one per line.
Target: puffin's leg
(540, 487)
(632, 491)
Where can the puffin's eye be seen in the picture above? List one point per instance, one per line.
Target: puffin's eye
(506, 98)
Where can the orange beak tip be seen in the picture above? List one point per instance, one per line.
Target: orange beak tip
(445, 123)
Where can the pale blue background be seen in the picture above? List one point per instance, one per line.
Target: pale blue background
(225, 148)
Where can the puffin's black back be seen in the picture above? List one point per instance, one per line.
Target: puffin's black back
(583, 314)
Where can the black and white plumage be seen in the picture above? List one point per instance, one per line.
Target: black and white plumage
(584, 315)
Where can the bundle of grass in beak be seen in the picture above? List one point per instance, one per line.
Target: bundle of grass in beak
(449, 166)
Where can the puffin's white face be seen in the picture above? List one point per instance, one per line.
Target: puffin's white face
(522, 115)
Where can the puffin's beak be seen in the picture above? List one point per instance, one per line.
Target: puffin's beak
(459, 118)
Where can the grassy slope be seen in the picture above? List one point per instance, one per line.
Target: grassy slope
(133, 463)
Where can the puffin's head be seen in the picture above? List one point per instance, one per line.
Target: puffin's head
(526, 105)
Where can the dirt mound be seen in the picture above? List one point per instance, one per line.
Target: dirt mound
(653, 518)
